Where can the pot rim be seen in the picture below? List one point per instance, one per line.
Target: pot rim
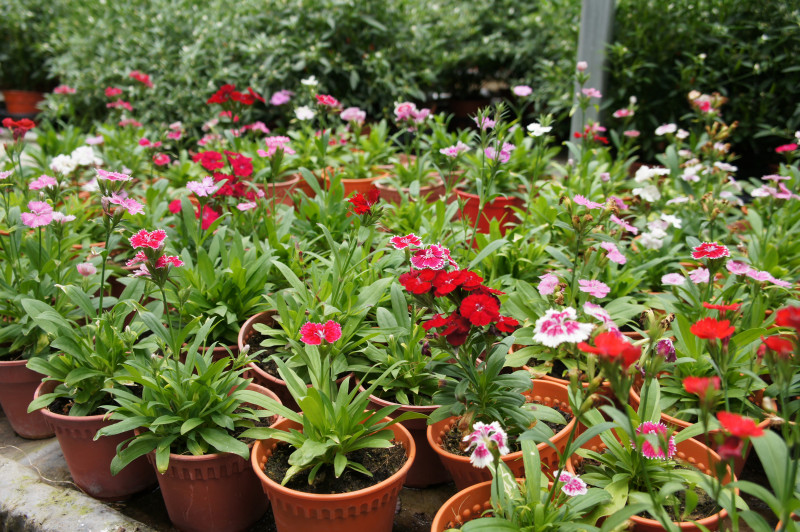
(97, 418)
(334, 497)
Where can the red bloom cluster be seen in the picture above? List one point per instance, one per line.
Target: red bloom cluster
(363, 204)
(328, 100)
(723, 308)
(785, 317)
(210, 160)
(18, 127)
(712, 329)
(780, 345)
(739, 426)
(591, 133)
(701, 385)
(710, 250)
(613, 347)
(141, 78)
(112, 92)
(145, 239)
(313, 333)
(228, 93)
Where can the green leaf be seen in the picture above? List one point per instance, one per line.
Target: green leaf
(224, 443)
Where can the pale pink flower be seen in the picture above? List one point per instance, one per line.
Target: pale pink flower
(673, 279)
(353, 114)
(274, 143)
(700, 275)
(621, 205)
(665, 129)
(44, 181)
(759, 275)
(247, 205)
(591, 92)
(503, 156)
(737, 267)
(404, 111)
(142, 271)
(485, 122)
(614, 254)
(161, 159)
(781, 283)
(258, 125)
(174, 135)
(632, 133)
(598, 312)
(86, 269)
(41, 214)
(652, 445)
(557, 327)
(62, 218)
(129, 204)
(573, 485)
(605, 177)
(594, 287)
(581, 66)
(581, 200)
(63, 89)
(281, 97)
(548, 284)
(482, 437)
(5, 175)
(625, 225)
(421, 115)
(775, 177)
(455, 150)
(623, 113)
(203, 188)
(522, 91)
(402, 242)
(112, 176)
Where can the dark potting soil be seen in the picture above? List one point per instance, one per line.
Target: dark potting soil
(262, 354)
(263, 422)
(63, 405)
(382, 463)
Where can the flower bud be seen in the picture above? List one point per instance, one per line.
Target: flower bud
(581, 66)
(666, 349)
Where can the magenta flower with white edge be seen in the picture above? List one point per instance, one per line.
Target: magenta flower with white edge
(582, 200)
(548, 284)
(112, 176)
(710, 250)
(625, 225)
(482, 437)
(666, 349)
(522, 91)
(573, 485)
(594, 287)
(44, 181)
(434, 257)
(700, 275)
(169, 260)
(652, 446)
(557, 327)
(314, 333)
(614, 254)
(402, 242)
(41, 214)
(673, 279)
(86, 269)
(203, 188)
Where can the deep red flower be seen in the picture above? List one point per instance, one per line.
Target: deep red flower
(412, 283)
(700, 385)
(739, 426)
(18, 127)
(457, 330)
(781, 345)
(435, 322)
(470, 280)
(711, 329)
(722, 308)
(612, 346)
(327, 100)
(242, 166)
(223, 94)
(731, 448)
(445, 282)
(506, 324)
(480, 309)
(788, 317)
(210, 160)
(175, 206)
(710, 250)
(362, 204)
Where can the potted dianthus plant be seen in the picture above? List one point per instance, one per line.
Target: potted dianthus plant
(336, 464)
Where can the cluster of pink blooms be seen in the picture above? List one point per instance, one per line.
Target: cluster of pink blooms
(594, 287)
(581, 200)
(502, 155)
(281, 97)
(656, 432)
(44, 181)
(274, 144)
(779, 192)
(455, 150)
(614, 254)
(353, 114)
(151, 246)
(40, 215)
(314, 333)
(408, 112)
(740, 268)
(482, 437)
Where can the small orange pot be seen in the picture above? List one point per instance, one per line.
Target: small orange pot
(17, 387)
(351, 186)
(464, 506)
(465, 474)
(694, 453)
(371, 509)
(500, 208)
(22, 102)
(282, 192)
(431, 193)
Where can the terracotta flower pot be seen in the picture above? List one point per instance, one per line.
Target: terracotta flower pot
(678, 425)
(371, 509)
(17, 386)
(22, 102)
(212, 493)
(392, 195)
(282, 192)
(351, 186)
(500, 208)
(690, 451)
(427, 469)
(464, 506)
(89, 461)
(465, 474)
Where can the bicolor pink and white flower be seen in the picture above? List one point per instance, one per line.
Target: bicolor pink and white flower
(591, 92)
(482, 437)
(314, 333)
(548, 284)
(737, 267)
(62, 218)
(485, 122)
(434, 257)
(710, 250)
(86, 269)
(353, 114)
(614, 254)
(402, 242)
(503, 155)
(5, 175)
(247, 205)
(41, 214)
(653, 443)
(169, 260)
(557, 327)
(594, 288)
(673, 279)
(573, 485)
